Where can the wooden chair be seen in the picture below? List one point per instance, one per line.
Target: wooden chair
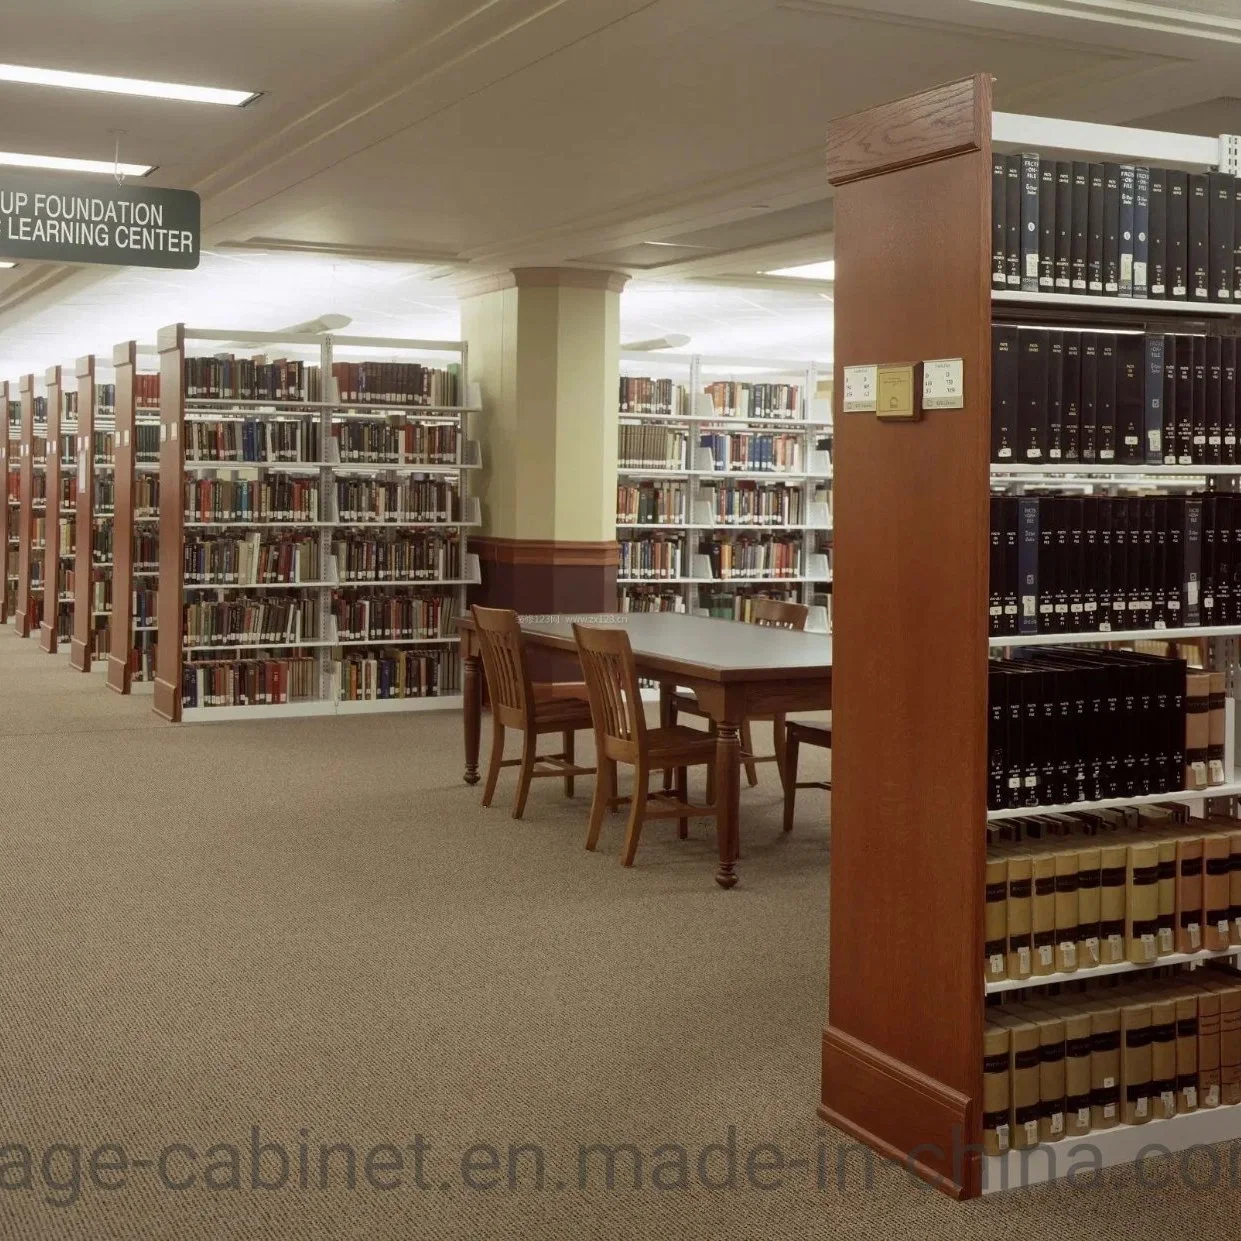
(621, 736)
(533, 709)
(767, 614)
(797, 734)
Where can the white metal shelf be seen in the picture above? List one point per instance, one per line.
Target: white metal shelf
(278, 645)
(1101, 971)
(736, 528)
(196, 586)
(449, 639)
(713, 581)
(1109, 803)
(247, 405)
(1195, 309)
(1105, 470)
(773, 476)
(998, 641)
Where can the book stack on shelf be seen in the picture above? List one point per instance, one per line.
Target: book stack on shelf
(724, 487)
(10, 467)
(60, 539)
(32, 510)
(1074, 795)
(317, 556)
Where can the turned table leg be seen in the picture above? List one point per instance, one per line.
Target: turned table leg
(728, 798)
(472, 713)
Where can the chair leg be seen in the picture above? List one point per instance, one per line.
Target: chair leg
(682, 788)
(791, 747)
(637, 809)
(568, 753)
(667, 717)
(605, 788)
(778, 733)
(497, 757)
(529, 744)
(747, 744)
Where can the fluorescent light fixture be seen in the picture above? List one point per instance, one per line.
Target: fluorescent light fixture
(7, 263)
(825, 270)
(64, 164)
(125, 86)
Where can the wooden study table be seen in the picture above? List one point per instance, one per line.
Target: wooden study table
(735, 670)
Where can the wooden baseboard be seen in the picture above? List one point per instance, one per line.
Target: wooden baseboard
(118, 675)
(167, 701)
(79, 655)
(21, 622)
(545, 551)
(47, 638)
(924, 1125)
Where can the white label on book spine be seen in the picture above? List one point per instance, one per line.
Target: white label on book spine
(1045, 954)
(1166, 942)
(1083, 1117)
(1195, 935)
(1191, 1096)
(1023, 961)
(943, 383)
(861, 389)
(1212, 1096)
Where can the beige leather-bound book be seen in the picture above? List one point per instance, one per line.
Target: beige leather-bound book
(1163, 1056)
(995, 1088)
(1209, 1094)
(1066, 911)
(1215, 729)
(995, 917)
(1135, 1066)
(1216, 891)
(1112, 882)
(1043, 913)
(1189, 894)
(1104, 1066)
(1088, 906)
(1019, 911)
(1142, 904)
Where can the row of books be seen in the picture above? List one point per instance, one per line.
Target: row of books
(1114, 230)
(754, 450)
(754, 400)
(68, 492)
(755, 503)
(1079, 891)
(381, 676)
(266, 499)
(1068, 725)
(68, 536)
(406, 499)
(642, 395)
(239, 622)
(145, 606)
(101, 595)
(1085, 564)
(396, 443)
(650, 599)
(254, 439)
(146, 496)
(753, 556)
(394, 617)
(227, 378)
(101, 638)
(660, 556)
(142, 657)
(651, 447)
(146, 391)
(101, 542)
(145, 551)
(658, 503)
(38, 532)
(738, 605)
(252, 559)
(103, 447)
(1069, 395)
(249, 682)
(105, 396)
(105, 495)
(146, 441)
(397, 383)
(391, 558)
(1062, 1066)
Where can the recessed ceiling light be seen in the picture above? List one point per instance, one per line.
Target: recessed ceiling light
(125, 86)
(63, 164)
(825, 270)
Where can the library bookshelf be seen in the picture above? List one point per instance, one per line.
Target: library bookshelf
(10, 467)
(350, 486)
(132, 630)
(32, 509)
(60, 538)
(724, 483)
(903, 1048)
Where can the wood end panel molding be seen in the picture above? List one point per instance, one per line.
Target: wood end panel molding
(546, 552)
(947, 120)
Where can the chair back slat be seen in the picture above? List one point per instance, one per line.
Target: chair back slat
(612, 684)
(779, 614)
(504, 660)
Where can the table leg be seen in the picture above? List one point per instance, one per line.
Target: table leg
(728, 799)
(472, 714)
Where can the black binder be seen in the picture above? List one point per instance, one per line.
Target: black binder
(1090, 383)
(1127, 184)
(1141, 230)
(1169, 400)
(1072, 396)
(1032, 393)
(1029, 222)
(1105, 398)
(1047, 226)
(1130, 399)
(1185, 400)
(1003, 393)
(1079, 217)
(1200, 399)
(1178, 233)
(999, 232)
(1214, 401)
(1094, 232)
(1228, 399)
(1153, 399)
(1012, 220)
(1027, 563)
(1064, 226)
(1111, 230)
(1222, 192)
(1199, 250)
(1157, 245)
(1191, 603)
(1055, 395)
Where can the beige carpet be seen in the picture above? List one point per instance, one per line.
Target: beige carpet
(314, 925)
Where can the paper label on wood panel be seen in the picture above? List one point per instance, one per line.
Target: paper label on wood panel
(861, 389)
(943, 384)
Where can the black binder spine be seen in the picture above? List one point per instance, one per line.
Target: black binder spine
(995, 574)
(1125, 230)
(1111, 230)
(1185, 400)
(1105, 398)
(1012, 220)
(1010, 567)
(1003, 392)
(1064, 226)
(1214, 401)
(1153, 399)
(1157, 264)
(1169, 400)
(1032, 392)
(1027, 563)
(1191, 604)
(1072, 396)
(1220, 187)
(1199, 250)
(1047, 226)
(1130, 404)
(1055, 396)
(1141, 230)
(1029, 223)
(1178, 234)
(1228, 398)
(999, 230)
(1079, 218)
(1236, 239)
(1090, 388)
(1200, 400)
(1094, 232)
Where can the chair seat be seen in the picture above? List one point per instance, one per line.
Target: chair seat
(561, 689)
(811, 734)
(688, 744)
(561, 712)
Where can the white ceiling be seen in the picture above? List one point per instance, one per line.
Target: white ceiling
(465, 136)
